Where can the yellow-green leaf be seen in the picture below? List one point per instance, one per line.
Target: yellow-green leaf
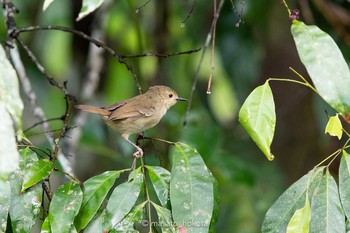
(300, 221)
(258, 118)
(334, 127)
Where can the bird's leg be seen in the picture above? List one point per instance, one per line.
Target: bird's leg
(139, 152)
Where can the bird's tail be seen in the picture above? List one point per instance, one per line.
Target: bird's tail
(93, 109)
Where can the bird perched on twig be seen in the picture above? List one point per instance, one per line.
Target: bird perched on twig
(138, 113)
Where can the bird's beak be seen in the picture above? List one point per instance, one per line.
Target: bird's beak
(181, 99)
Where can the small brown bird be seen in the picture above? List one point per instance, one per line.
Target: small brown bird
(138, 113)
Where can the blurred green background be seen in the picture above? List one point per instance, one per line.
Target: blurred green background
(245, 57)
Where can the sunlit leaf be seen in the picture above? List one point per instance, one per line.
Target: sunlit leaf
(124, 197)
(64, 206)
(47, 4)
(258, 117)
(88, 7)
(191, 190)
(325, 64)
(327, 214)
(160, 179)
(279, 214)
(334, 127)
(27, 204)
(95, 191)
(37, 172)
(300, 221)
(344, 182)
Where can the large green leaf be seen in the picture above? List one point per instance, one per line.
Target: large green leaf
(191, 190)
(64, 207)
(280, 213)
(95, 191)
(160, 179)
(258, 117)
(325, 64)
(327, 214)
(26, 204)
(37, 172)
(124, 197)
(344, 183)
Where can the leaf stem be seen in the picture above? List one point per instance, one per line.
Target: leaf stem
(148, 210)
(286, 5)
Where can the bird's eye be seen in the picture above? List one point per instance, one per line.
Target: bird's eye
(170, 95)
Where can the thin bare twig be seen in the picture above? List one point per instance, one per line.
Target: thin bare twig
(189, 13)
(196, 75)
(212, 50)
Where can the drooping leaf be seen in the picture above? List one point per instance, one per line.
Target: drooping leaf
(327, 214)
(334, 127)
(64, 206)
(344, 183)
(95, 191)
(124, 197)
(191, 190)
(134, 217)
(37, 172)
(164, 218)
(27, 204)
(300, 221)
(258, 117)
(160, 179)
(88, 7)
(278, 216)
(325, 64)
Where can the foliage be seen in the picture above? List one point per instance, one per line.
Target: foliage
(312, 203)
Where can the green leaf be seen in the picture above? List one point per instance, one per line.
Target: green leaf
(191, 190)
(95, 191)
(9, 93)
(325, 64)
(300, 221)
(64, 207)
(258, 118)
(160, 179)
(216, 208)
(45, 227)
(27, 204)
(135, 216)
(88, 7)
(278, 216)
(334, 127)
(124, 197)
(344, 183)
(5, 199)
(37, 172)
(327, 214)
(164, 218)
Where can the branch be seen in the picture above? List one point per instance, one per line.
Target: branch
(196, 76)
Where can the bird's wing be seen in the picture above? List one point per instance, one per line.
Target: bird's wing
(128, 109)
